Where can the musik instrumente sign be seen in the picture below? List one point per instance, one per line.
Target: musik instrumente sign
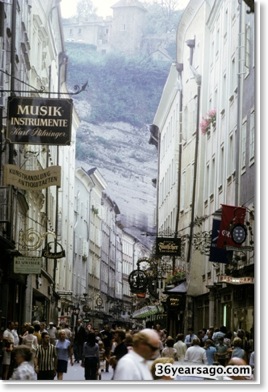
(39, 120)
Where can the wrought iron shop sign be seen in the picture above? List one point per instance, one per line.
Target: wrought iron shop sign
(46, 252)
(27, 265)
(39, 120)
(32, 179)
(168, 246)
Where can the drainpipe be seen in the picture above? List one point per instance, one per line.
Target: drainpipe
(62, 60)
(195, 174)
(179, 67)
(239, 109)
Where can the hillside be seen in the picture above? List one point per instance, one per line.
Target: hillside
(116, 140)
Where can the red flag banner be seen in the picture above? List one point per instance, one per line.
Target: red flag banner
(230, 216)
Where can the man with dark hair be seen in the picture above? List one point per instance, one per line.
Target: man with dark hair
(107, 337)
(120, 348)
(80, 336)
(46, 359)
(189, 337)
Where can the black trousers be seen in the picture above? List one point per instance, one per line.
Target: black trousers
(91, 367)
(46, 375)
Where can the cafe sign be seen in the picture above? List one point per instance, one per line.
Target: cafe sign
(32, 179)
(168, 246)
(39, 120)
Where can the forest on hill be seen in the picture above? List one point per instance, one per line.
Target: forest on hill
(119, 89)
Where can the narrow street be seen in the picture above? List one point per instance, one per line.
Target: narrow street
(76, 373)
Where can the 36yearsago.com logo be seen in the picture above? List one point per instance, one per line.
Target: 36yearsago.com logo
(173, 371)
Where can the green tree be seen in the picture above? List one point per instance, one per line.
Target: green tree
(85, 9)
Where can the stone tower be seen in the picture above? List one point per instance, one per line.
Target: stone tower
(127, 26)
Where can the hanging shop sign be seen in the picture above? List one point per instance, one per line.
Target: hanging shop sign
(39, 120)
(231, 217)
(46, 252)
(27, 265)
(218, 255)
(138, 281)
(168, 246)
(32, 179)
(233, 280)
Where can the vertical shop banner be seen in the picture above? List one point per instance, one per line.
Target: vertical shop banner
(39, 120)
(230, 216)
(218, 255)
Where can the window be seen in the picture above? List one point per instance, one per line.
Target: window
(252, 137)
(230, 156)
(207, 181)
(233, 76)
(221, 167)
(224, 91)
(183, 184)
(247, 48)
(243, 145)
(212, 177)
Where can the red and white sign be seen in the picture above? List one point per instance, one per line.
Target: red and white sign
(230, 216)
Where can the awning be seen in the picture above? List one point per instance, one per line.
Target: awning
(180, 289)
(147, 311)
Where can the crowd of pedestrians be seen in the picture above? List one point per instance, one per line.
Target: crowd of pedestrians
(41, 352)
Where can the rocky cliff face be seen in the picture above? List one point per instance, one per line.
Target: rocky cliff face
(128, 164)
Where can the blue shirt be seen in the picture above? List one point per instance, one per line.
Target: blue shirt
(211, 351)
(63, 349)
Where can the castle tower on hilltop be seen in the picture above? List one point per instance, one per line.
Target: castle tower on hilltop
(128, 25)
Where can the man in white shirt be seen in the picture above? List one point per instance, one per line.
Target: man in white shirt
(134, 366)
(14, 332)
(8, 343)
(195, 353)
(181, 347)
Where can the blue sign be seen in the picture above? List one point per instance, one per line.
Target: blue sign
(218, 255)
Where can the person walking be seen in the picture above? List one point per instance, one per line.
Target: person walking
(134, 365)
(46, 359)
(90, 357)
(52, 331)
(169, 351)
(64, 352)
(190, 337)
(31, 341)
(14, 332)
(238, 351)
(211, 351)
(195, 353)
(180, 347)
(223, 353)
(120, 347)
(24, 370)
(8, 346)
(80, 336)
(107, 338)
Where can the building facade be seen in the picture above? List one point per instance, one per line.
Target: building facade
(205, 124)
(33, 65)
